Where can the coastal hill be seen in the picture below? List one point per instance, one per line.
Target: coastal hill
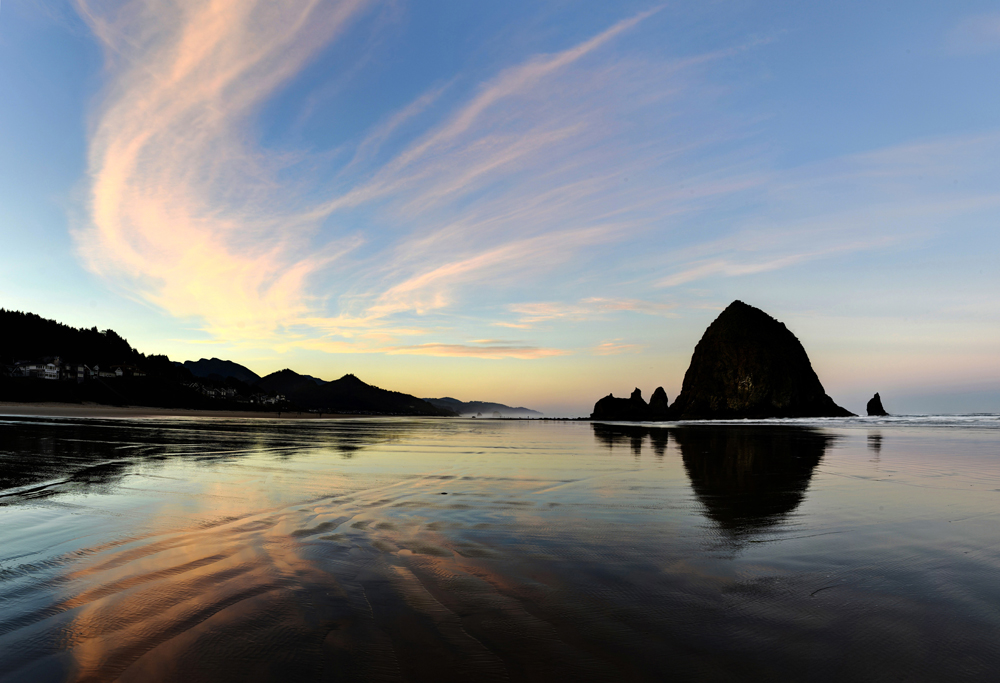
(747, 365)
(286, 382)
(28, 337)
(42, 360)
(221, 369)
(346, 395)
(484, 408)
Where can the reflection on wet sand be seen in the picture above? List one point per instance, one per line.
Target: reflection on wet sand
(471, 550)
(750, 478)
(75, 454)
(615, 434)
(746, 478)
(386, 584)
(875, 442)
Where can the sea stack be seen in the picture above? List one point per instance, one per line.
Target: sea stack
(875, 408)
(659, 406)
(749, 365)
(633, 408)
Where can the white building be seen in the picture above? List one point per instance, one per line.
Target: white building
(41, 369)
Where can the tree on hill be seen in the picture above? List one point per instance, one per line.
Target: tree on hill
(28, 336)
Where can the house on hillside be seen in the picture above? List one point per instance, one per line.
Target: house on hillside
(48, 368)
(77, 372)
(264, 399)
(127, 371)
(104, 372)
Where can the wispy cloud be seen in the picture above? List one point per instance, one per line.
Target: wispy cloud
(188, 215)
(864, 202)
(476, 351)
(729, 268)
(456, 203)
(590, 308)
(975, 34)
(185, 213)
(613, 348)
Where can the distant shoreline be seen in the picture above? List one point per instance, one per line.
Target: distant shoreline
(24, 409)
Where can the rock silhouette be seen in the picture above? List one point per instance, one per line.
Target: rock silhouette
(749, 365)
(874, 406)
(659, 406)
(631, 408)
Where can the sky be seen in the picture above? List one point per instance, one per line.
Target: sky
(536, 203)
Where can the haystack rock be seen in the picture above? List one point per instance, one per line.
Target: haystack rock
(875, 408)
(611, 408)
(749, 365)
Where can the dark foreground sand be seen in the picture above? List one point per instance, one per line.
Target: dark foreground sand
(98, 410)
(196, 550)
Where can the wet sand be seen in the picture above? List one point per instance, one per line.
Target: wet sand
(102, 411)
(456, 550)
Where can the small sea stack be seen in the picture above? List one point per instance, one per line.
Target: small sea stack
(633, 408)
(749, 365)
(875, 408)
(659, 406)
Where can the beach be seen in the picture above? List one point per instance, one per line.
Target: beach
(396, 549)
(96, 410)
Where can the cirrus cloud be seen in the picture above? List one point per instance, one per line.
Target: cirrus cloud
(451, 206)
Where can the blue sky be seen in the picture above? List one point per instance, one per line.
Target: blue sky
(534, 203)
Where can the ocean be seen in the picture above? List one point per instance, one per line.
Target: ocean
(204, 549)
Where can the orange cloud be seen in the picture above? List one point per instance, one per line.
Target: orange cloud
(184, 214)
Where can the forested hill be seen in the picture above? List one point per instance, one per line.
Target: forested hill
(26, 339)
(27, 336)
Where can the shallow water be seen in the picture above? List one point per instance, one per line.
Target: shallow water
(395, 549)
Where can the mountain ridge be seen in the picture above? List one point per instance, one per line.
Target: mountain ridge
(481, 407)
(349, 394)
(206, 367)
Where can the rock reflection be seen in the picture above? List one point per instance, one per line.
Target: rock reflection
(749, 478)
(619, 435)
(42, 456)
(875, 442)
